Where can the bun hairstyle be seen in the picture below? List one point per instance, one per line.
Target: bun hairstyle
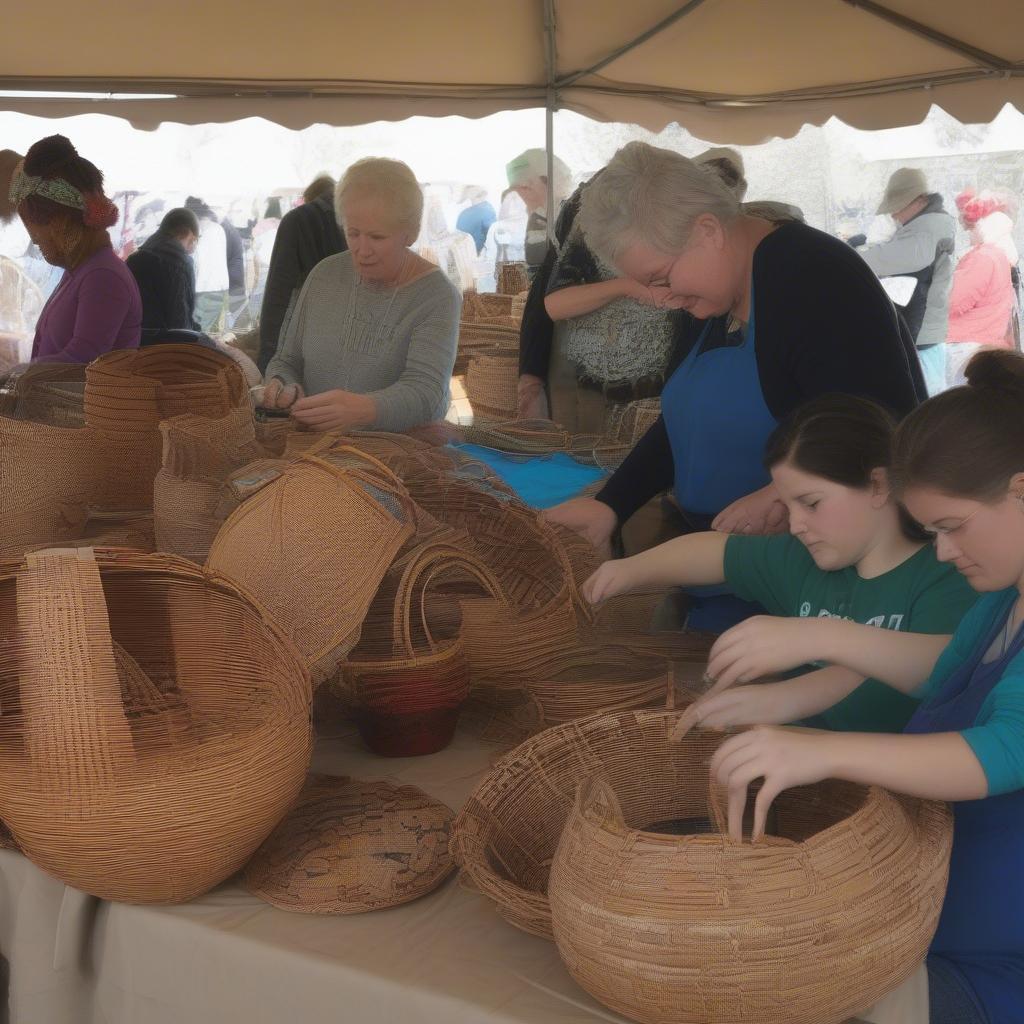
(55, 157)
(968, 441)
(9, 160)
(841, 438)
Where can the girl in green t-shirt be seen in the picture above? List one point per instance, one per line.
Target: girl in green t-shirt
(853, 563)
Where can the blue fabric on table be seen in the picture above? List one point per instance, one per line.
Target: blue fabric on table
(539, 480)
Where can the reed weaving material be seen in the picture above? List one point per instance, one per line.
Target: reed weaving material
(810, 926)
(199, 454)
(47, 477)
(512, 278)
(491, 385)
(313, 544)
(348, 847)
(51, 393)
(128, 393)
(477, 305)
(154, 722)
(408, 687)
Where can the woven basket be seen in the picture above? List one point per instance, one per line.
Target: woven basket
(815, 924)
(477, 338)
(199, 454)
(491, 385)
(408, 690)
(155, 722)
(512, 278)
(313, 545)
(128, 393)
(51, 393)
(349, 846)
(477, 305)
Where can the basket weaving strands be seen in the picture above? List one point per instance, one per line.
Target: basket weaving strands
(47, 478)
(199, 455)
(813, 925)
(155, 722)
(512, 278)
(348, 847)
(491, 385)
(128, 393)
(312, 546)
(483, 339)
(477, 305)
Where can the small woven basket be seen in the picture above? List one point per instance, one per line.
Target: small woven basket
(834, 909)
(407, 696)
(492, 385)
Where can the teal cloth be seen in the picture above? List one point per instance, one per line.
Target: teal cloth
(539, 480)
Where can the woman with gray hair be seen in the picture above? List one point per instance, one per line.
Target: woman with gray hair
(791, 313)
(371, 342)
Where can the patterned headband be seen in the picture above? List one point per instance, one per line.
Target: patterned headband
(97, 210)
(56, 189)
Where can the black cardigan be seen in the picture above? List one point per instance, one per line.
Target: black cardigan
(823, 324)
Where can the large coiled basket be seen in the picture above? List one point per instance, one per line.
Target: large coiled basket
(663, 918)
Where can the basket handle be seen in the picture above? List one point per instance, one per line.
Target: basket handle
(436, 558)
(76, 732)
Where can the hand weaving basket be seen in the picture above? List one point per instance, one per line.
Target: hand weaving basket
(408, 689)
(348, 847)
(313, 543)
(810, 926)
(154, 722)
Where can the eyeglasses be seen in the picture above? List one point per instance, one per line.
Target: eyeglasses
(945, 531)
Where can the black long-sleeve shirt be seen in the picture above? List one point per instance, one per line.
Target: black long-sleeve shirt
(305, 236)
(167, 283)
(822, 324)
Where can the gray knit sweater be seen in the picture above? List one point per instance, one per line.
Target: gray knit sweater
(397, 346)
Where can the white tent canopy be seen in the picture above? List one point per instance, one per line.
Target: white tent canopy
(735, 70)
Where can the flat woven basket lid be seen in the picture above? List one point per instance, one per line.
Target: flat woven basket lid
(349, 846)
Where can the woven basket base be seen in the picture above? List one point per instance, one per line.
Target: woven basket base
(347, 847)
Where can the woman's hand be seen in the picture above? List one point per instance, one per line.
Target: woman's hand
(760, 513)
(335, 410)
(762, 645)
(783, 757)
(611, 579)
(589, 517)
(278, 395)
(531, 400)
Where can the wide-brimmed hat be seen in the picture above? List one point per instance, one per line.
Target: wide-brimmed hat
(902, 188)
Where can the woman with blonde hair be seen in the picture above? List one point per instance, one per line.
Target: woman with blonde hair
(371, 341)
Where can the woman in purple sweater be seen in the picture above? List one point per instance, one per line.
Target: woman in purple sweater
(96, 307)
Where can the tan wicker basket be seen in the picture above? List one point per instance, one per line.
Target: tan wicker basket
(512, 278)
(155, 722)
(408, 684)
(349, 846)
(128, 393)
(313, 545)
(814, 924)
(491, 385)
(199, 454)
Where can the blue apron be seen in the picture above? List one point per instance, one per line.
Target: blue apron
(981, 929)
(717, 423)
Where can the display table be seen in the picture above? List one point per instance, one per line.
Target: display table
(229, 958)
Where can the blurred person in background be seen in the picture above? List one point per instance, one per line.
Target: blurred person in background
(478, 216)
(163, 270)
(211, 262)
(528, 176)
(305, 236)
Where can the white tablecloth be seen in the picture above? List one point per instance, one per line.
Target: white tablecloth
(229, 958)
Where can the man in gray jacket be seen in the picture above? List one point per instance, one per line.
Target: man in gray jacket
(922, 249)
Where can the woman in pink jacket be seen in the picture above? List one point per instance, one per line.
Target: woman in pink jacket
(982, 296)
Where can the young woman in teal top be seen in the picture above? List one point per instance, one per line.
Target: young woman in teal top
(958, 463)
(852, 558)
